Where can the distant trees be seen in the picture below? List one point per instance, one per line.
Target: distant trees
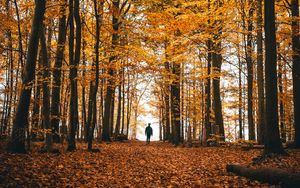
(207, 75)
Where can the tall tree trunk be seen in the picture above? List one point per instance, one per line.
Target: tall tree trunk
(9, 77)
(241, 130)
(118, 121)
(167, 103)
(175, 106)
(110, 91)
(194, 104)
(36, 102)
(112, 115)
(281, 106)
(90, 110)
(84, 132)
(249, 61)
(74, 59)
(272, 138)
(182, 104)
(46, 90)
(260, 75)
(17, 143)
(129, 104)
(123, 100)
(56, 87)
(217, 64)
(94, 89)
(20, 46)
(217, 104)
(296, 69)
(161, 122)
(208, 130)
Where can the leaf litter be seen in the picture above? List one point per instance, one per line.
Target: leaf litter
(135, 164)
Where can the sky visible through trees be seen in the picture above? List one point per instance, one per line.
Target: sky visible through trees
(205, 73)
(103, 69)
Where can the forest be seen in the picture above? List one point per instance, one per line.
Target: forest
(218, 80)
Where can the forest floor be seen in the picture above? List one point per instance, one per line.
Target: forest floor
(135, 164)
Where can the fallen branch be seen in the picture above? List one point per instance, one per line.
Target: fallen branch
(248, 147)
(268, 175)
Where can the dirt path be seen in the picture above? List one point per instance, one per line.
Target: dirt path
(131, 164)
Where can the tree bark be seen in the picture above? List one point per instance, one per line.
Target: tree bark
(217, 104)
(281, 104)
(46, 90)
(74, 59)
(110, 91)
(296, 69)
(94, 89)
(56, 87)
(272, 138)
(175, 106)
(217, 64)
(208, 130)
(123, 100)
(260, 76)
(249, 61)
(268, 175)
(118, 121)
(17, 143)
(241, 129)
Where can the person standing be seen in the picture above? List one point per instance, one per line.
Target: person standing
(148, 133)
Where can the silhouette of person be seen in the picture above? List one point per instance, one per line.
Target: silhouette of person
(148, 133)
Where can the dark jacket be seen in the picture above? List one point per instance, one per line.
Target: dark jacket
(148, 131)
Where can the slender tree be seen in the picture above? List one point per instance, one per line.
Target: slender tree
(167, 95)
(110, 90)
(56, 87)
(260, 75)
(175, 105)
(46, 90)
(17, 143)
(74, 59)
(94, 86)
(249, 62)
(296, 69)
(208, 130)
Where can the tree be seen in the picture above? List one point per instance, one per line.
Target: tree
(166, 93)
(118, 13)
(56, 87)
(217, 64)
(296, 69)
(175, 105)
(249, 62)
(110, 90)
(208, 130)
(17, 143)
(272, 138)
(92, 115)
(74, 59)
(260, 75)
(46, 90)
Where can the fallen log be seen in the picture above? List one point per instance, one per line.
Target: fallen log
(268, 175)
(248, 147)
